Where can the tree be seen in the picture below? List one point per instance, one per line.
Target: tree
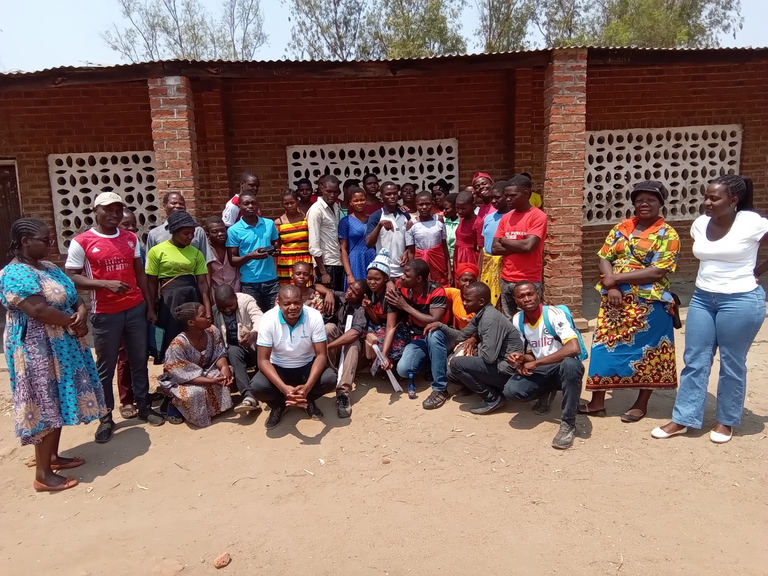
(164, 29)
(566, 22)
(327, 29)
(414, 28)
(504, 24)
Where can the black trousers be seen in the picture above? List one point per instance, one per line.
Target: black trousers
(262, 389)
(337, 277)
(483, 379)
(241, 359)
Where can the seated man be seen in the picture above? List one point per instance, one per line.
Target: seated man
(550, 361)
(424, 302)
(488, 371)
(347, 304)
(292, 357)
(238, 316)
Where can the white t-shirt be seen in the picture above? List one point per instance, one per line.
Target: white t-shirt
(230, 214)
(727, 265)
(291, 347)
(76, 254)
(538, 341)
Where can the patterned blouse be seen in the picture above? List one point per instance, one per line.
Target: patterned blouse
(627, 250)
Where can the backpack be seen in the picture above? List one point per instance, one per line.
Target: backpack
(583, 354)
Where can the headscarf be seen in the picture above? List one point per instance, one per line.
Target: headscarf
(465, 267)
(381, 262)
(180, 219)
(479, 175)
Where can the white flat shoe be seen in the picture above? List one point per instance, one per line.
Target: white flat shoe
(660, 434)
(719, 438)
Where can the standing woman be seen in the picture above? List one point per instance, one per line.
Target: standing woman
(355, 255)
(634, 344)
(53, 376)
(425, 238)
(305, 194)
(727, 308)
(440, 190)
(466, 251)
(481, 185)
(294, 237)
(408, 199)
(176, 274)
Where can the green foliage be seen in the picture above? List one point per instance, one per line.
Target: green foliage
(504, 24)
(327, 29)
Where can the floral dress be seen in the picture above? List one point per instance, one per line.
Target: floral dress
(53, 376)
(183, 363)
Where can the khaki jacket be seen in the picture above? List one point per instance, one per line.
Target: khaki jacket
(248, 316)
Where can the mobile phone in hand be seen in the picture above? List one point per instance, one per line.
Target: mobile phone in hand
(268, 250)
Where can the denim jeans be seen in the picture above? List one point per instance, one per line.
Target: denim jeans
(507, 298)
(109, 330)
(565, 376)
(729, 322)
(430, 351)
(265, 293)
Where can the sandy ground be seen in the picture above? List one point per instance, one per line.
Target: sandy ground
(399, 490)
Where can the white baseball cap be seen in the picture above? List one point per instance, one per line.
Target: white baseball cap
(106, 198)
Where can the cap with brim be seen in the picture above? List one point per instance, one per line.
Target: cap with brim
(651, 186)
(180, 219)
(107, 198)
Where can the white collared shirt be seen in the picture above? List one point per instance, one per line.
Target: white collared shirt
(323, 224)
(292, 347)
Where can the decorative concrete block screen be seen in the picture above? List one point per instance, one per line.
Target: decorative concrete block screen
(684, 159)
(418, 161)
(76, 180)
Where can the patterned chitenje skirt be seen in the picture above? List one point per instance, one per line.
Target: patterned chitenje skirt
(633, 347)
(199, 403)
(491, 275)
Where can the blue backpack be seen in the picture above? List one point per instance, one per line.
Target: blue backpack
(583, 354)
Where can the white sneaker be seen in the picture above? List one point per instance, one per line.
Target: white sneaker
(720, 438)
(661, 434)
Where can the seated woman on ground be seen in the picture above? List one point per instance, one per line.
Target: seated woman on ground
(383, 329)
(196, 376)
(315, 296)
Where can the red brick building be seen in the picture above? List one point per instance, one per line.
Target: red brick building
(585, 122)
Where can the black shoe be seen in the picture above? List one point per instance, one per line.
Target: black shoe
(313, 411)
(436, 399)
(543, 405)
(275, 415)
(488, 406)
(565, 436)
(104, 431)
(342, 406)
(464, 391)
(151, 417)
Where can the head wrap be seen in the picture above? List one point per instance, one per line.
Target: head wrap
(467, 267)
(481, 175)
(381, 262)
(180, 219)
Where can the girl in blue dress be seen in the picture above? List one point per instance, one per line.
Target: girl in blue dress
(355, 255)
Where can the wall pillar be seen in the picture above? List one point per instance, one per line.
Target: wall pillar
(174, 138)
(565, 100)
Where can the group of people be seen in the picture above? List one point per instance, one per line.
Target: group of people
(411, 282)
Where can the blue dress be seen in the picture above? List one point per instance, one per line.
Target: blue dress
(353, 231)
(53, 376)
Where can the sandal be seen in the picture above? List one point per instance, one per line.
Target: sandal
(66, 485)
(128, 411)
(582, 409)
(175, 419)
(247, 405)
(627, 417)
(76, 461)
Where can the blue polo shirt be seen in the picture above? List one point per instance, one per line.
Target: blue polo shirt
(247, 239)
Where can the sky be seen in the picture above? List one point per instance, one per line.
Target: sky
(39, 34)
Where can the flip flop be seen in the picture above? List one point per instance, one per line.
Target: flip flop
(128, 412)
(582, 409)
(66, 485)
(627, 417)
(247, 405)
(76, 461)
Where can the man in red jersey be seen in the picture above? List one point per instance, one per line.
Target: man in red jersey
(106, 260)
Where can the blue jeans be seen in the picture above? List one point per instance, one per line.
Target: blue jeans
(265, 293)
(431, 351)
(729, 322)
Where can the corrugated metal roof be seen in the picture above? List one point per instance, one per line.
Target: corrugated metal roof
(214, 63)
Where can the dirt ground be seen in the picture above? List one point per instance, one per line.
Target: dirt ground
(399, 490)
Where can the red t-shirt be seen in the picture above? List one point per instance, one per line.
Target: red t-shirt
(107, 258)
(516, 226)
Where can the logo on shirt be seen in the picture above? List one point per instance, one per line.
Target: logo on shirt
(131, 244)
(515, 235)
(95, 250)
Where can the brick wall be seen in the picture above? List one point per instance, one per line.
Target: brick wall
(529, 126)
(36, 123)
(262, 118)
(655, 97)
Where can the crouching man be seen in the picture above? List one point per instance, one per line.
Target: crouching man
(292, 356)
(550, 362)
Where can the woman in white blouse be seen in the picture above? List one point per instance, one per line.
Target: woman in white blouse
(727, 308)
